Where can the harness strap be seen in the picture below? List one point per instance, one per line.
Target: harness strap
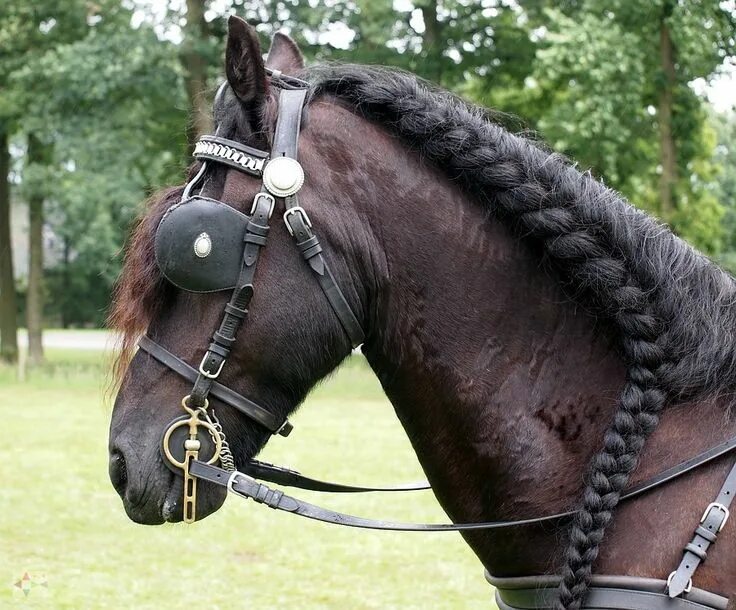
(219, 349)
(288, 123)
(713, 520)
(605, 593)
(300, 227)
(292, 478)
(285, 144)
(247, 487)
(223, 393)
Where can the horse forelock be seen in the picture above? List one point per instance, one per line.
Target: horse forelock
(140, 290)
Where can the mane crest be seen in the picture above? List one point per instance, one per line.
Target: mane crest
(508, 174)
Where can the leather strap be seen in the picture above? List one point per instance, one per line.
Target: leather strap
(292, 478)
(223, 339)
(713, 520)
(308, 244)
(288, 123)
(223, 393)
(605, 593)
(283, 81)
(246, 486)
(285, 144)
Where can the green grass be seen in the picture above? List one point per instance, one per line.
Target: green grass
(59, 516)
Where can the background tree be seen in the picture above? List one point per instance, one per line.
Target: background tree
(116, 94)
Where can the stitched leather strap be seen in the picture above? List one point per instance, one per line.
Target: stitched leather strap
(223, 393)
(219, 349)
(288, 123)
(291, 478)
(246, 486)
(712, 522)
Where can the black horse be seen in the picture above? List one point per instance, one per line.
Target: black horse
(528, 325)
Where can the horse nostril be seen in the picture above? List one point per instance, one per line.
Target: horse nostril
(118, 471)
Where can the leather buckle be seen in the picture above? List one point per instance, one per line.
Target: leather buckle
(718, 506)
(297, 209)
(205, 372)
(272, 203)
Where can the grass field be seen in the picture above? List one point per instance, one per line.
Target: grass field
(62, 523)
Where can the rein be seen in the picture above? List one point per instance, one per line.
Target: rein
(203, 245)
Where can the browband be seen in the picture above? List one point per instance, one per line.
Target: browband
(232, 153)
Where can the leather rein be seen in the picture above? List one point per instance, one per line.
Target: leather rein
(194, 443)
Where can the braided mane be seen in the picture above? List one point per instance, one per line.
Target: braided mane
(673, 307)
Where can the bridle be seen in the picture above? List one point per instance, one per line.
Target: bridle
(204, 245)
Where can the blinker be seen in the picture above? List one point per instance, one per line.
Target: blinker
(199, 245)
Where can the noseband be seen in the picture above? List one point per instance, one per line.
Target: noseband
(203, 245)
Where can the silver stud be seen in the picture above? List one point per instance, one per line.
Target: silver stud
(202, 245)
(283, 176)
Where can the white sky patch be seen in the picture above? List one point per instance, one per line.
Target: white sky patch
(721, 90)
(338, 35)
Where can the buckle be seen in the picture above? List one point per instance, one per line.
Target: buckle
(297, 209)
(272, 202)
(205, 372)
(719, 506)
(689, 583)
(285, 428)
(231, 481)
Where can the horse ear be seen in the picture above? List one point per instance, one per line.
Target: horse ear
(244, 63)
(284, 55)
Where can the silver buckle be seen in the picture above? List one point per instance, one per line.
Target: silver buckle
(720, 507)
(207, 373)
(689, 583)
(296, 209)
(271, 200)
(231, 480)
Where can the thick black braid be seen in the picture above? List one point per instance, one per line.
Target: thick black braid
(572, 217)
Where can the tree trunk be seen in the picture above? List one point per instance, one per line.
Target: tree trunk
(432, 43)
(8, 301)
(195, 72)
(34, 296)
(66, 304)
(668, 149)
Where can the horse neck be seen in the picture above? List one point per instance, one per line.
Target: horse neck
(502, 384)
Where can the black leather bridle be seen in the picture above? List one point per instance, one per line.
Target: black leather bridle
(195, 443)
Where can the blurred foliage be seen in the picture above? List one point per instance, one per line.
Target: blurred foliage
(102, 83)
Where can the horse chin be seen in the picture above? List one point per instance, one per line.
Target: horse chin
(169, 510)
(209, 500)
(158, 496)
